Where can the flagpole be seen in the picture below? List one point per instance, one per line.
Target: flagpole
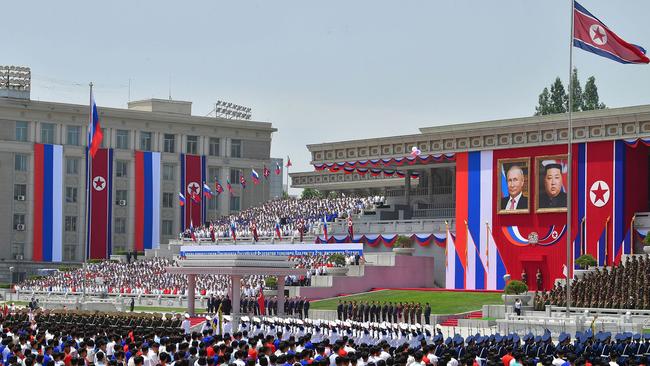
(88, 184)
(570, 167)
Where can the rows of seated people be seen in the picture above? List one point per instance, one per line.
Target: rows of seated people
(290, 214)
(117, 340)
(149, 276)
(626, 286)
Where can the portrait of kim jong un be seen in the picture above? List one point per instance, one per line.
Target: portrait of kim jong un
(551, 177)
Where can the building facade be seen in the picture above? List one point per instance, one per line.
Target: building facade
(503, 187)
(230, 149)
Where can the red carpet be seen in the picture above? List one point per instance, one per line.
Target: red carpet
(453, 321)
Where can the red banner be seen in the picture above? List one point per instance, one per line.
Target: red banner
(99, 205)
(192, 178)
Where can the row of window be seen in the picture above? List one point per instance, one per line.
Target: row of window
(73, 137)
(121, 197)
(122, 168)
(70, 222)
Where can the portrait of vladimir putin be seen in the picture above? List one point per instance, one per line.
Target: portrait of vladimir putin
(515, 180)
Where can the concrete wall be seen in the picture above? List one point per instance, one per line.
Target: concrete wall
(408, 271)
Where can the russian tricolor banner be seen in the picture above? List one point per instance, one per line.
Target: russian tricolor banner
(48, 203)
(147, 200)
(100, 207)
(192, 178)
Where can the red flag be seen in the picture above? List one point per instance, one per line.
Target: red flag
(218, 187)
(592, 35)
(254, 230)
(266, 172)
(229, 186)
(289, 162)
(260, 302)
(242, 181)
(278, 169)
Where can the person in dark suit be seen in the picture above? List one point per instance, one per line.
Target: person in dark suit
(384, 311)
(427, 314)
(305, 308)
(552, 196)
(515, 200)
(339, 311)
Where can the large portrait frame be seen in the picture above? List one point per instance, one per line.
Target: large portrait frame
(502, 200)
(551, 171)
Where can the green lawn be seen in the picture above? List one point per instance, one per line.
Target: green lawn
(442, 302)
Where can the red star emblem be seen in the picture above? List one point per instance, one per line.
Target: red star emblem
(600, 193)
(99, 183)
(597, 35)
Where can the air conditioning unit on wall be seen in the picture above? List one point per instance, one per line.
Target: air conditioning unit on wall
(121, 203)
(20, 197)
(20, 227)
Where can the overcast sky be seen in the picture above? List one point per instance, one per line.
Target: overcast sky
(321, 71)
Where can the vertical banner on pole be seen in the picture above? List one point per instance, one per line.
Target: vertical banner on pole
(147, 200)
(192, 178)
(48, 203)
(100, 209)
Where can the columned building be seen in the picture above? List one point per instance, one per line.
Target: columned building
(229, 147)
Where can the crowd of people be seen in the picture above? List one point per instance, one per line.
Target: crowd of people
(626, 286)
(287, 215)
(374, 311)
(82, 339)
(148, 276)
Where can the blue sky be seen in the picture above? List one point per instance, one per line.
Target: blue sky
(321, 71)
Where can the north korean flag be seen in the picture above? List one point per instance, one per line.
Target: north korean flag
(592, 35)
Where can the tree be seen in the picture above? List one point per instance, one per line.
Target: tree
(590, 96)
(543, 107)
(558, 100)
(576, 92)
(308, 193)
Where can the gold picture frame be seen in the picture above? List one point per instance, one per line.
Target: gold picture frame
(548, 196)
(503, 201)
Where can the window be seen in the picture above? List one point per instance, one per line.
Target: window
(72, 166)
(214, 146)
(47, 133)
(145, 141)
(71, 194)
(234, 176)
(121, 168)
(122, 139)
(235, 148)
(168, 200)
(120, 225)
(20, 163)
(71, 223)
(234, 203)
(20, 190)
(121, 195)
(192, 144)
(167, 227)
(169, 144)
(73, 135)
(21, 131)
(69, 253)
(213, 173)
(213, 203)
(168, 171)
(19, 219)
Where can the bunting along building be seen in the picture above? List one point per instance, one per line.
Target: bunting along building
(500, 186)
(150, 152)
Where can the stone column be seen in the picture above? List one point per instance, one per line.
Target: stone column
(280, 295)
(191, 289)
(236, 300)
(430, 183)
(407, 190)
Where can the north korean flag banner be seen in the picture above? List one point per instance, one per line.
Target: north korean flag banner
(100, 208)
(48, 203)
(147, 200)
(192, 178)
(592, 35)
